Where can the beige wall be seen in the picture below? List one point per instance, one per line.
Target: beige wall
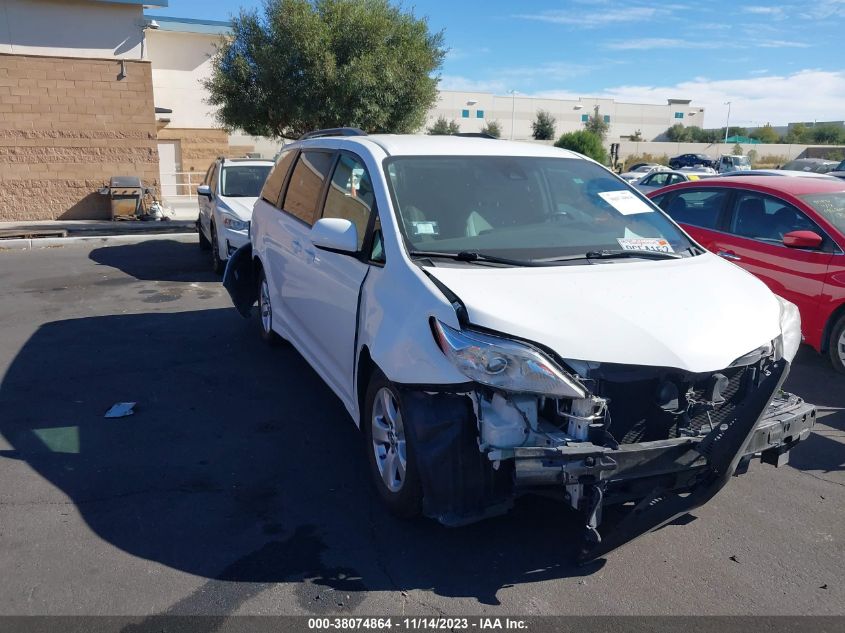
(66, 126)
(181, 61)
(71, 28)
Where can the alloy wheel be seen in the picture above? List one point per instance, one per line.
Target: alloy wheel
(388, 437)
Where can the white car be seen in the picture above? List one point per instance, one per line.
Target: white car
(641, 172)
(225, 198)
(502, 318)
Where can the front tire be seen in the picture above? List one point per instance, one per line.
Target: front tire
(217, 265)
(204, 243)
(836, 345)
(390, 450)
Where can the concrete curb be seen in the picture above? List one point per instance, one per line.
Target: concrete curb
(105, 240)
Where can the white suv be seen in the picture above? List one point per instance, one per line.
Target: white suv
(225, 198)
(503, 318)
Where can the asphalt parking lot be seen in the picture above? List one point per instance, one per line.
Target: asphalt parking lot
(239, 485)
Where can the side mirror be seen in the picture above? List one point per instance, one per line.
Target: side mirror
(204, 190)
(335, 234)
(802, 239)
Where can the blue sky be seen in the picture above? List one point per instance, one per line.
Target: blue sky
(776, 62)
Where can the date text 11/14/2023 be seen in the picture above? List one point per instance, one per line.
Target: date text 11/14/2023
(417, 623)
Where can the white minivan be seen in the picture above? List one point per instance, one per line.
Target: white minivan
(507, 318)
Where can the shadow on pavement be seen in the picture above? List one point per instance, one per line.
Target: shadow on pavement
(158, 260)
(814, 379)
(240, 466)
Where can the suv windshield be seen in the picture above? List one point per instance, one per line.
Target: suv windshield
(243, 181)
(830, 206)
(523, 208)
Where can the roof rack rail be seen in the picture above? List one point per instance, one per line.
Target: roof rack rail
(475, 135)
(334, 131)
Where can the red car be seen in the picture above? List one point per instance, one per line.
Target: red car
(789, 232)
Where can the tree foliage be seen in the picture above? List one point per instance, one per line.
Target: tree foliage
(597, 125)
(637, 136)
(543, 126)
(493, 128)
(442, 127)
(584, 142)
(678, 134)
(737, 150)
(766, 134)
(797, 133)
(827, 134)
(311, 64)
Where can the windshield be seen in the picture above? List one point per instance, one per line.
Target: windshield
(243, 181)
(830, 206)
(740, 161)
(523, 208)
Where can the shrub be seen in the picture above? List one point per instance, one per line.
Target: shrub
(584, 142)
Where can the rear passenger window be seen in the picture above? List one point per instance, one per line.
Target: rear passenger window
(272, 190)
(306, 184)
(697, 208)
(351, 195)
(761, 217)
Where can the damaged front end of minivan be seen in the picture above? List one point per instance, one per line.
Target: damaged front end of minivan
(653, 442)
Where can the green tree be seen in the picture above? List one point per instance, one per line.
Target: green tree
(597, 125)
(637, 136)
(733, 131)
(584, 142)
(543, 126)
(797, 133)
(827, 134)
(442, 127)
(753, 157)
(310, 64)
(737, 150)
(766, 134)
(493, 128)
(678, 134)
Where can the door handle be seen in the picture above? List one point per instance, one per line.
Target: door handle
(729, 255)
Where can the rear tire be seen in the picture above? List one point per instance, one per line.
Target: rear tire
(265, 312)
(217, 265)
(390, 449)
(836, 345)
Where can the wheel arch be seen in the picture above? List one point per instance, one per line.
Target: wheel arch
(837, 314)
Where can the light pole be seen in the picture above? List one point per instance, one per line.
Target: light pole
(728, 122)
(512, 93)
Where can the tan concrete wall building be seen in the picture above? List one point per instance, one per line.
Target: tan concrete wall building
(76, 105)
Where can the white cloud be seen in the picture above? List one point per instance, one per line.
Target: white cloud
(651, 43)
(774, 12)
(781, 44)
(464, 84)
(823, 9)
(779, 99)
(593, 18)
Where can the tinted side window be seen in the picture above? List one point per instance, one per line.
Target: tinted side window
(351, 195)
(697, 208)
(761, 217)
(306, 184)
(272, 190)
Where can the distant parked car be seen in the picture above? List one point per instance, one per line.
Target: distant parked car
(817, 165)
(729, 163)
(780, 172)
(655, 181)
(690, 160)
(635, 175)
(789, 232)
(225, 198)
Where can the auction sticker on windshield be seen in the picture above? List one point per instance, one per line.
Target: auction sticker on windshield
(625, 202)
(657, 244)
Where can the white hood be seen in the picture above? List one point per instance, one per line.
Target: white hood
(698, 314)
(242, 207)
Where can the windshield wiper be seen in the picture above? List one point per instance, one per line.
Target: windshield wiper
(608, 254)
(475, 256)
